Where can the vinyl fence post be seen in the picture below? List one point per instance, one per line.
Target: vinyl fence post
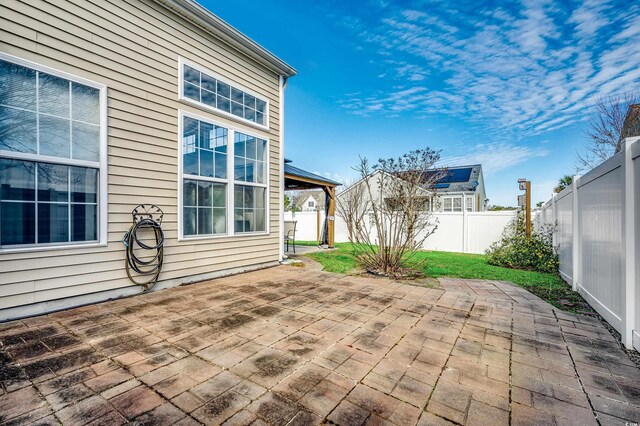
(630, 230)
(577, 261)
(465, 224)
(554, 220)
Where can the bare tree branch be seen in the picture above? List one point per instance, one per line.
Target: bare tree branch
(605, 129)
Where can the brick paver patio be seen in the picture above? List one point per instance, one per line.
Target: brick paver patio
(297, 346)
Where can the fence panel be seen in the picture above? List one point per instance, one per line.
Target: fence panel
(449, 236)
(598, 236)
(600, 208)
(454, 233)
(307, 226)
(564, 232)
(485, 228)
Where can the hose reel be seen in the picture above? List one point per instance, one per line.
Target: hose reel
(145, 218)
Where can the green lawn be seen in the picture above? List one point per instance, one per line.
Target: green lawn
(307, 243)
(549, 287)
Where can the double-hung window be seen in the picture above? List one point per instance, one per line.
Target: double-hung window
(250, 187)
(51, 166)
(457, 204)
(204, 184)
(469, 204)
(224, 184)
(447, 204)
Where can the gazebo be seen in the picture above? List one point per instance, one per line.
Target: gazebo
(298, 179)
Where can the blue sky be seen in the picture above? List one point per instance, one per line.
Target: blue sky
(509, 85)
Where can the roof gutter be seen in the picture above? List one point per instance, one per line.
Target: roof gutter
(212, 24)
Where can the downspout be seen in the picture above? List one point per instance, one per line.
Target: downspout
(283, 85)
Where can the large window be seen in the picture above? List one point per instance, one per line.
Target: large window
(211, 168)
(50, 164)
(204, 167)
(209, 90)
(250, 157)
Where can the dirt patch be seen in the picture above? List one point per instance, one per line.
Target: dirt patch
(367, 340)
(10, 371)
(235, 321)
(222, 296)
(131, 310)
(381, 300)
(300, 351)
(301, 338)
(378, 326)
(28, 336)
(169, 301)
(60, 341)
(27, 350)
(277, 411)
(268, 296)
(270, 284)
(219, 404)
(267, 311)
(57, 363)
(240, 303)
(273, 365)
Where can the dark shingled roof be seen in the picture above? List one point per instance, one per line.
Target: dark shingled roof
(457, 179)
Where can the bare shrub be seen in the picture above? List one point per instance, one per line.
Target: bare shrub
(387, 212)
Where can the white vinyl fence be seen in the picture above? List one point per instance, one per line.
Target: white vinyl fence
(598, 238)
(457, 232)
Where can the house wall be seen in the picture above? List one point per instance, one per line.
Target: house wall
(133, 47)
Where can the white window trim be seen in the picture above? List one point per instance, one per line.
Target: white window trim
(102, 196)
(230, 181)
(473, 201)
(182, 62)
(452, 197)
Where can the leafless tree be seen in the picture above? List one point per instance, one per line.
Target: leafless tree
(352, 206)
(389, 218)
(605, 129)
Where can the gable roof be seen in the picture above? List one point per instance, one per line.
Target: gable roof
(205, 19)
(457, 178)
(317, 195)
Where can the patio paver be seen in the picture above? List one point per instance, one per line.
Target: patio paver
(292, 345)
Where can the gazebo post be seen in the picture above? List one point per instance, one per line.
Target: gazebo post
(295, 178)
(331, 217)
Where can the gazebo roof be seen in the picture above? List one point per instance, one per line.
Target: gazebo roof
(296, 178)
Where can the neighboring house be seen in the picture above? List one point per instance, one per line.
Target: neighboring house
(107, 106)
(455, 187)
(311, 201)
(461, 187)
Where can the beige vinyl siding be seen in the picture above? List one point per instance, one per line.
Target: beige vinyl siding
(133, 48)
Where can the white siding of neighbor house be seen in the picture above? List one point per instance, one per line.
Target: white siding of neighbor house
(133, 47)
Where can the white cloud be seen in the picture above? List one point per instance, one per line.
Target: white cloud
(523, 71)
(494, 157)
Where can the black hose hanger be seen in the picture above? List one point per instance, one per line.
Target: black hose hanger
(145, 218)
